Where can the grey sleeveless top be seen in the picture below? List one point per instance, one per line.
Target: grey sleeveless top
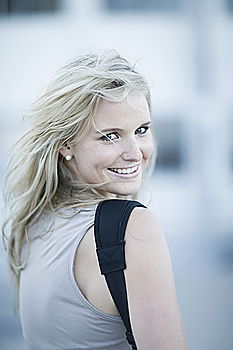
(54, 313)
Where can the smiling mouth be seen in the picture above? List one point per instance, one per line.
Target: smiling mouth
(123, 171)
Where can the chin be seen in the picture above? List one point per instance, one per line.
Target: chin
(124, 188)
(126, 191)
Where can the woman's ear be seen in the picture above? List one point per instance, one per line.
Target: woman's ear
(65, 150)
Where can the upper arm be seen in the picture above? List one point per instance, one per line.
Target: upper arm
(153, 307)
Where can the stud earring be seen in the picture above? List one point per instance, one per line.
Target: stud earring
(68, 157)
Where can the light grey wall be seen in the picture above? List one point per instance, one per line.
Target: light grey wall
(187, 58)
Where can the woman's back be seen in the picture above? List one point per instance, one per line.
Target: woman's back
(54, 312)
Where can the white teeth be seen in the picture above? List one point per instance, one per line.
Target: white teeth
(124, 170)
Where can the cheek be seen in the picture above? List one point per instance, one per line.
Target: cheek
(103, 157)
(148, 149)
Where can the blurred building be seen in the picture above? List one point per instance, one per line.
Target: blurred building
(185, 50)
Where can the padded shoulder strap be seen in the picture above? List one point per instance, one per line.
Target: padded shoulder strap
(110, 222)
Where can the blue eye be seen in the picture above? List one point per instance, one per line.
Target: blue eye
(109, 137)
(142, 130)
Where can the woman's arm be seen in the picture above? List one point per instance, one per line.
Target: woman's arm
(153, 307)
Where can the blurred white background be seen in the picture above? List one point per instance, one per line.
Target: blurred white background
(185, 50)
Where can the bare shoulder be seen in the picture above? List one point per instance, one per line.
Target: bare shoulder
(145, 243)
(143, 224)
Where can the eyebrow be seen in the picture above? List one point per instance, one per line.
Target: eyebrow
(118, 129)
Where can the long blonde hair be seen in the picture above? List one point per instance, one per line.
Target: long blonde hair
(37, 178)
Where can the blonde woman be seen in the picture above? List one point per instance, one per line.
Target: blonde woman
(90, 140)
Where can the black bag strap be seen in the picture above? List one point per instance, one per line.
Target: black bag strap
(111, 218)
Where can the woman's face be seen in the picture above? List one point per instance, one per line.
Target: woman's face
(117, 147)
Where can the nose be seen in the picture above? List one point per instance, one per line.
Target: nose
(131, 151)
